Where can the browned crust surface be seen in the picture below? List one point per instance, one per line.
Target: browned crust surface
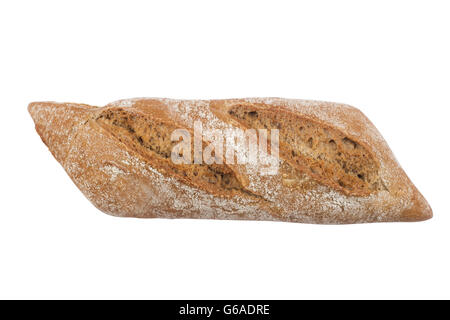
(121, 178)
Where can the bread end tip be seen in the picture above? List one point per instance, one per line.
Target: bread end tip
(420, 210)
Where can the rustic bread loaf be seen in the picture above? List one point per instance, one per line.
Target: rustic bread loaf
(333, 167)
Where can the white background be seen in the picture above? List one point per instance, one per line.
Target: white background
(391, 59)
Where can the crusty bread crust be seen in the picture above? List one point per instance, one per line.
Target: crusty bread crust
(123, 178)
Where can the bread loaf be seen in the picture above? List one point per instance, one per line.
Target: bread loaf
(326, 163)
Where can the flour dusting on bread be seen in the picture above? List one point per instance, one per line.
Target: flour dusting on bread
(121, 173)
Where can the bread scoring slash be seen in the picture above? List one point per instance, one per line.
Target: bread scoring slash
(334, 167)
